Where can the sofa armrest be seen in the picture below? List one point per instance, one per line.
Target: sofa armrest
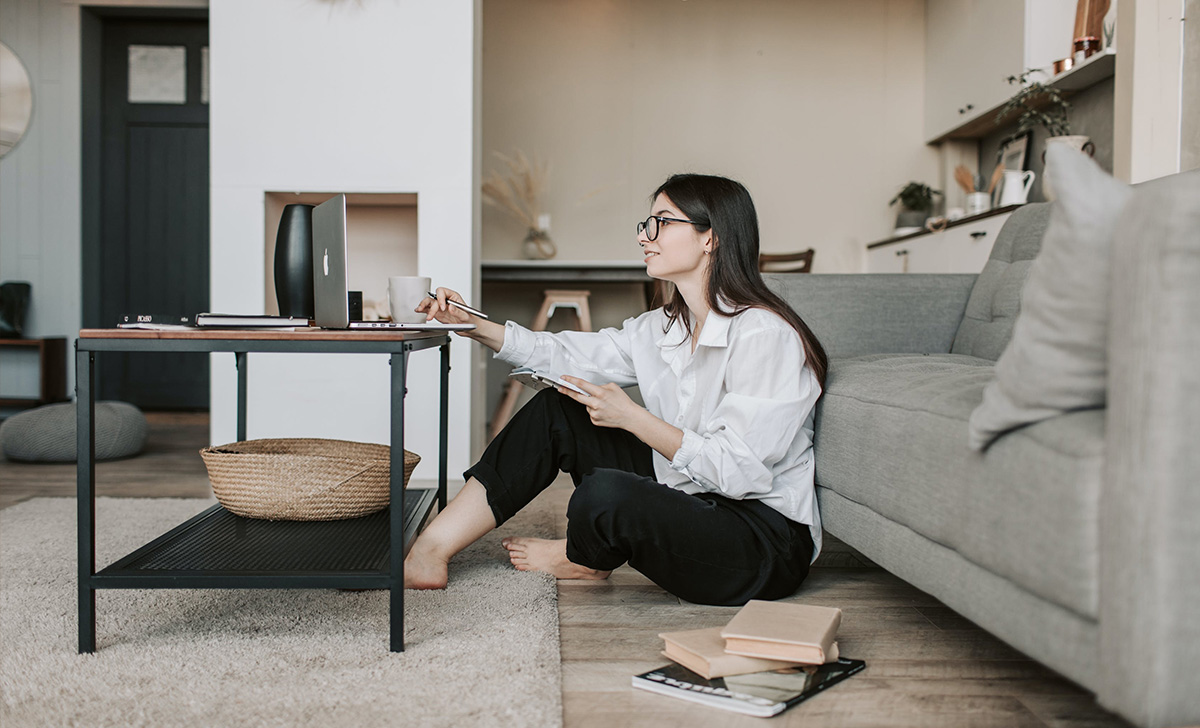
(1150, 505)
(876, 313)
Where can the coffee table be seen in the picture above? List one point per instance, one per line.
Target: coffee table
(219, 550)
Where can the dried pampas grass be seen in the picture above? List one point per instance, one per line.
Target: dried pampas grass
(518, 193)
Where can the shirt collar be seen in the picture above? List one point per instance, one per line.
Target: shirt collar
(715, 332)
(673, 337)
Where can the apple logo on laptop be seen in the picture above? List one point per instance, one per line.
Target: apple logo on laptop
(326, 261)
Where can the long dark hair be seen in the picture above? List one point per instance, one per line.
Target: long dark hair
(725, 207)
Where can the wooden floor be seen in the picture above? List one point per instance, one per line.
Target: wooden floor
(926, 666)
(169, 466)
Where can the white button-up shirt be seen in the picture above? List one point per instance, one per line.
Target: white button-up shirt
(744, 399)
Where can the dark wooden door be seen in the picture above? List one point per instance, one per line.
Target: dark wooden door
(154, 201)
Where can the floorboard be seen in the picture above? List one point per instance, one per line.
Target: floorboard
(927, 665)
(168, 467)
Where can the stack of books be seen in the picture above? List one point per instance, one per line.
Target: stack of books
(769, 657)
(160, 322)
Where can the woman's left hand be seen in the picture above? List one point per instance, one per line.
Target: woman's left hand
(607, 405)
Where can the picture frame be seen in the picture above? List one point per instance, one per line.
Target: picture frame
(1015, 154)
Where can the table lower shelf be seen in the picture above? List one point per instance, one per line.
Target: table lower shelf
(219, 550)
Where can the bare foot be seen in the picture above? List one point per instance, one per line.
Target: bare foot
(539, 554)
(423, 569)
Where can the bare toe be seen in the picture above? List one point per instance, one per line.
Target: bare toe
(549, 556)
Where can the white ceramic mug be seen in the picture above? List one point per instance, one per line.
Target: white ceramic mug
(404, 294)
(1015, 189)
(978, 202)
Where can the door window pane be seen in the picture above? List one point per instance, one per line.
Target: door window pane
(157, 74)
(204, 75)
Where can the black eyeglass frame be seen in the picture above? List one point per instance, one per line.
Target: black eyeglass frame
(645, 225)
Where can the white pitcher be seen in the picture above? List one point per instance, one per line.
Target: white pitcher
(1015, 189)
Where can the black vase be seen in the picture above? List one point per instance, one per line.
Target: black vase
(294, 262)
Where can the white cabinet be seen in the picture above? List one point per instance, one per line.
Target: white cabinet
(888, 258)
(963, 248)
(973, 46)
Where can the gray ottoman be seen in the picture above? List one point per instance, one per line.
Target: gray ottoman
(47, 434)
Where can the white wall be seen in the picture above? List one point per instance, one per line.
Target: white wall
(816, 106)
(359, 97)
(1149, 89)
(1189, 100)
(39, 180)
(40, 205)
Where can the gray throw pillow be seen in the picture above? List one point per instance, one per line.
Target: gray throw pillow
(1056, 361)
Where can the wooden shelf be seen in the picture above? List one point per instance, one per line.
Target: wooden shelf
(52, 370)
(952, 224)
(1093, 70)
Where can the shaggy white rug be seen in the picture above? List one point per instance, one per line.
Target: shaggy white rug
(482, 652)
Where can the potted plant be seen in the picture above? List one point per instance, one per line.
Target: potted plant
(916, 203)
(1036, 105)
(1040, 105)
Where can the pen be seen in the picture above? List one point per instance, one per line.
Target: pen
(463, 306)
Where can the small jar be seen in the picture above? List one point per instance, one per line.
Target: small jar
(1084, 47)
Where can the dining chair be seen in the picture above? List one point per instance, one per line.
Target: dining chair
(786, 262)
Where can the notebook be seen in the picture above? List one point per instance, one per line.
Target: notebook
(784, 631)
(331, 276)
(703, 652)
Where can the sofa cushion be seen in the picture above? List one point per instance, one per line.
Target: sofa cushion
(1033, 509)
(891, 435)
(996, 298)
(1057, 361)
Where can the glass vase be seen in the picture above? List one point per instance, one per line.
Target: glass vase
(538, 245)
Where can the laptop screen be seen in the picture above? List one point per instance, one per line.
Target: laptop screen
(329, 264)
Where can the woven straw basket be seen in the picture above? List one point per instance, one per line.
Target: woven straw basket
(304, 479)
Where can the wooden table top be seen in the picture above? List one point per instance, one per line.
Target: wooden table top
(217, 334)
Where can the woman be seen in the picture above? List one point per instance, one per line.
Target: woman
(708, 490)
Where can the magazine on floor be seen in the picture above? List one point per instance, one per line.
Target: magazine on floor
(761, 694)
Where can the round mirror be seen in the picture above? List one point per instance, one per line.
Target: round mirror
(16, 99)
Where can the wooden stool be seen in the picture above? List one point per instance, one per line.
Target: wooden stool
(553, 301)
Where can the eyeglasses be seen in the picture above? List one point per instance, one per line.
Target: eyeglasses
(652, 224)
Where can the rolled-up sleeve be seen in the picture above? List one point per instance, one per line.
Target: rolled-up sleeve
(599, 357)
(767, 400)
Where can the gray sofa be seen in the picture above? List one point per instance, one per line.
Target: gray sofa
(1076, 539)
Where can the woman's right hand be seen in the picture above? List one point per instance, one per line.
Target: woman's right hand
(488, 333)
(438, 308)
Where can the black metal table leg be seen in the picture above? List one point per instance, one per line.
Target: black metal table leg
(241, 360)
(443, 436)
(141, 568)
(399, 362)
(85, 496)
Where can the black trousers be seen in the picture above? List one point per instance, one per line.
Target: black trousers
(703, 548)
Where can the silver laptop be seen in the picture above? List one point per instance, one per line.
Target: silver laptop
(330, 277)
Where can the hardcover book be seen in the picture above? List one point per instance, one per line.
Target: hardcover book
(154, 321)
(703, 652)
(236, 320)
(783, 631)
(761, 694)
